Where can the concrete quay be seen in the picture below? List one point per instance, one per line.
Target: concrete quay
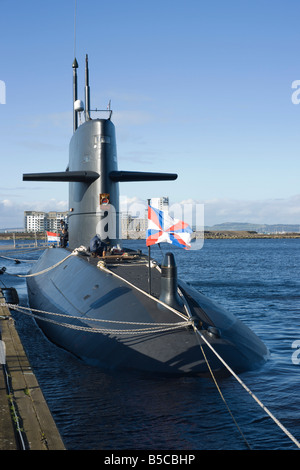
(26, 422)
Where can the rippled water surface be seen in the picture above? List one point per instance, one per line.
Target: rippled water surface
(258, 281)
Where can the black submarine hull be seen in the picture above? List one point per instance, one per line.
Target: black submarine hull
(104, 316)
(103, 320)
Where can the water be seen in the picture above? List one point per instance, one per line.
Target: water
(257, 280)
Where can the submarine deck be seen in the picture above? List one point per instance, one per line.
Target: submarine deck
(133, 268)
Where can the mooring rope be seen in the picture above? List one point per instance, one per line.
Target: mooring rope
(74, 253)
(18, 260)
(198, 332)
(151, 328)
(187, 309)
(17, 250)
(26, 250)
(188, 321)
(101, 266)
(222, 396)
(249, 391)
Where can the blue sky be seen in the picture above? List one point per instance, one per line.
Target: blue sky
(200, 88)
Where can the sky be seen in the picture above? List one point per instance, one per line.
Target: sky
(199, 88)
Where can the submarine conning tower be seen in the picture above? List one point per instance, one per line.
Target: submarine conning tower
(92, 173)
(94, 205)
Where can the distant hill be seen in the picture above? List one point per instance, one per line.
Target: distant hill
(259, 228)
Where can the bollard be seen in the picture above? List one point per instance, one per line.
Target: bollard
(168, 293)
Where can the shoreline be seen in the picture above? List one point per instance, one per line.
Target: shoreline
(208, 234)
(232, 234)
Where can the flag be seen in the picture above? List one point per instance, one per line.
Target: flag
(163, 228)
(53, 237)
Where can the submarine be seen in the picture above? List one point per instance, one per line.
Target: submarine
(101, 308)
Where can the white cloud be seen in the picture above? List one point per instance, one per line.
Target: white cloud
(12, 213)
(133, 205)
(7, 203)
(268, 211)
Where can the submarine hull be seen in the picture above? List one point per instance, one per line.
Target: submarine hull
(100, 317)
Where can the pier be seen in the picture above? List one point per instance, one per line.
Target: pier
(26, 422)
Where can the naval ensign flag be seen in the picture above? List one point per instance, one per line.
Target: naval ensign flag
(162, 228)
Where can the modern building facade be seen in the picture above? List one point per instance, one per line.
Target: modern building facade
(131, 224)
(35, 221)
(161, 203)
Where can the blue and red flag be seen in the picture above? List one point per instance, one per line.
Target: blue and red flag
(53, 237)
(162, 228)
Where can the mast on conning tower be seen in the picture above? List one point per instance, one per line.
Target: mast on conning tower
(87, 90)
(75, 117)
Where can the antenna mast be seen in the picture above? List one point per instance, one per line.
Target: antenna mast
(75, 67)
(75, 117)
(87, 90)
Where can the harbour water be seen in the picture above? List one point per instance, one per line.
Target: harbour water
(257, 280)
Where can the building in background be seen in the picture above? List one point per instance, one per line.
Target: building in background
(135, 226)
(36, 221)
(132, 225)
(161, 203)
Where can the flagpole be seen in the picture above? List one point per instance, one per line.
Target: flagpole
(149, 270)
(149, 262)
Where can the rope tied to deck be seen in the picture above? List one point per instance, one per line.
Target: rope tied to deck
(149, 327)
(75, 252)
